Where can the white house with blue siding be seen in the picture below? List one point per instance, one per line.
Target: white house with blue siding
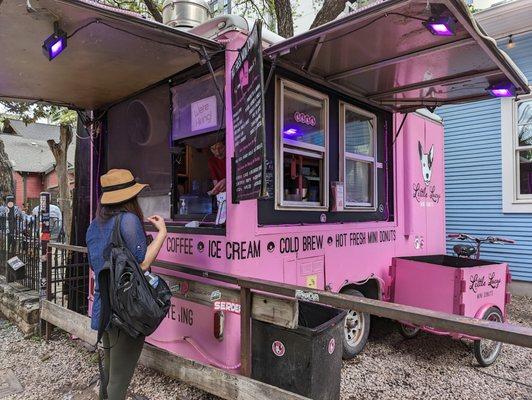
(488, 154)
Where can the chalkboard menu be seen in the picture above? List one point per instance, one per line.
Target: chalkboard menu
(248, 118)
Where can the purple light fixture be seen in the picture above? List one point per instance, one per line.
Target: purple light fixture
(290, 132)
(55, 43)
(441, 26)
(502, 90)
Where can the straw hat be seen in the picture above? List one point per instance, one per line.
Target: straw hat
(118, 186)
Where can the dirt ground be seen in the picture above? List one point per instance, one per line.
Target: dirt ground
(391, 367)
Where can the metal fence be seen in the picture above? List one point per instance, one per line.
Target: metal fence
(67, 277)
(19, 237)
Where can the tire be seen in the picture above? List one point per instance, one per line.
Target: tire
(486, 351)
(407, 331)
(356, 329)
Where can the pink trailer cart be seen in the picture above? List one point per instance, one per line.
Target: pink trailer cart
(462, 286)
(332, 166)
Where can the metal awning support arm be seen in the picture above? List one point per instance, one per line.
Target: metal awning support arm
(270, 73)
(400, 128)
(205, 58)
(315, 52)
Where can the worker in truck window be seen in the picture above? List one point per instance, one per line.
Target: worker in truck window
(217, 167)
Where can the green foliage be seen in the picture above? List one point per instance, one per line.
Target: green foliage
(138, 6)
(31, 112)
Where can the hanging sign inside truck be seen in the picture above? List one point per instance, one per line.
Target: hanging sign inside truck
(248, 119)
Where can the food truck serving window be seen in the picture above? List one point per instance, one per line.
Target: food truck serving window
(302, 140)
(358, 130)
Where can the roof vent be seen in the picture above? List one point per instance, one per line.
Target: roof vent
(185, 14)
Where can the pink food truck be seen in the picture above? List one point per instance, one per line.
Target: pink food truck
(330, 177)
(312, 161)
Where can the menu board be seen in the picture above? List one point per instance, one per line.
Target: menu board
(248, 118)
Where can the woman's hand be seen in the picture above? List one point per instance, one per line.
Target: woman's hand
(218, 187)
(158, 223)
(157, 243)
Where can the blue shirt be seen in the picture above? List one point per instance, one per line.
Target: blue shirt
(98, 238)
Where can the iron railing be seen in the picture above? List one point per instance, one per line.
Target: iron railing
(20, 238)
(67, 277)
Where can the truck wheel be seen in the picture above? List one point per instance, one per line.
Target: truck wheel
(407, 331)
(486, 351)
(356, 329)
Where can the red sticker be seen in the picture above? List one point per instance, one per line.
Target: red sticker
(332, 346)
(278, 348)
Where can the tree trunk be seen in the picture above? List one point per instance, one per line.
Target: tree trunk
(329, 11)
(283, 13)
(59, 150)
(154, 11)
(6, 173)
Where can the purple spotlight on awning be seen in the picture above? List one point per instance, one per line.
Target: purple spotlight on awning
(54, 44)
(441, 26)
(56, 48)
(502, 90)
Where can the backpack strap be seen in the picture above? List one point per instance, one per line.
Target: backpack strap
(116, 237)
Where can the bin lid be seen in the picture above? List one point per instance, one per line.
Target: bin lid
(110, 53)
(385, 54)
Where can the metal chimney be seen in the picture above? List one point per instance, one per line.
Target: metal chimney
(185, 14)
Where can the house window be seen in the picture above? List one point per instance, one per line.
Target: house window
(523, 149)
(302, 142)
(358, 157)
(516, 126)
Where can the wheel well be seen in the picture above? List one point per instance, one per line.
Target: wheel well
(369, 288)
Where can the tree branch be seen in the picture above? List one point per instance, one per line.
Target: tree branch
(283, 13)
(329, 11)
(154, 11)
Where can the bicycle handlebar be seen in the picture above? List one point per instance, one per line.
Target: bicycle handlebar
(488, 239)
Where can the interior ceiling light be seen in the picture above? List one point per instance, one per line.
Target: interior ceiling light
(55, 43)
(511, 43)
(441, 26)
(502, 90)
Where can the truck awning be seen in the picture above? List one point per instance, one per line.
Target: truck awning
(384, 53)
(110, 53)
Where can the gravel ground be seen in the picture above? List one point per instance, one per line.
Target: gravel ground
(391, 367)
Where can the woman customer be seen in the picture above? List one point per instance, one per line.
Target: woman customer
(121, 352)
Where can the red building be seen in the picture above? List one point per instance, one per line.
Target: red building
(32, 160)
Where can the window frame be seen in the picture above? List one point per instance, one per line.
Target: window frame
(301, 148)
(343, 155)
(513, 201)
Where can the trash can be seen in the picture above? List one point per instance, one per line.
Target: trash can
(306, 360)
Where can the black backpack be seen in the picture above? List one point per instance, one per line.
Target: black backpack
(128, 301)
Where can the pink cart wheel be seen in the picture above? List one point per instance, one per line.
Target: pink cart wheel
(486, 350)
(407, 331)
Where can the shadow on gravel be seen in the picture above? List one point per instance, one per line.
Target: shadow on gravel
(425, 346)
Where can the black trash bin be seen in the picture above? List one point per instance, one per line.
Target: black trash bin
(306, 360)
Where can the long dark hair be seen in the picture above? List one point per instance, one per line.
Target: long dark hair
(108, 211)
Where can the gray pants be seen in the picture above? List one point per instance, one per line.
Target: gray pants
(121, 354)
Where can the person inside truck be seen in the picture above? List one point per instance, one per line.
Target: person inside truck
(217, 167)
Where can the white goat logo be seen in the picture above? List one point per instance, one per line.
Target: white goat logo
(426, 162)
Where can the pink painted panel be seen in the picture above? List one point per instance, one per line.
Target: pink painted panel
(424, 285)
(188, 331)
(311, 272)
(434, 203)
(414, 184)
(483, 285)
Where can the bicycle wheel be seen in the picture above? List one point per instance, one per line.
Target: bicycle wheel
(486, 350)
